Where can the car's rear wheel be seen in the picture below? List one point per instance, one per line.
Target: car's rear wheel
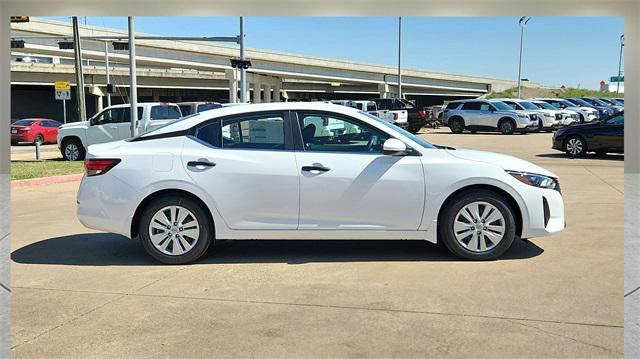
(38, 140)
(175, 230)
(575, 146)
(477, 225)
(507, 126)
(456, 125)
(72, 150)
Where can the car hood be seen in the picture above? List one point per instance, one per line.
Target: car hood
(506, 162)
(82, 124)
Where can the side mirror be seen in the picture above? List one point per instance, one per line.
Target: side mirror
(394, 147)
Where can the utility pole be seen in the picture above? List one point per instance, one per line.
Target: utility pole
(523, 21)
(106, 67)
(399, 56)
(133, 92)
(243, 71)
(81, 109)
(620, 64)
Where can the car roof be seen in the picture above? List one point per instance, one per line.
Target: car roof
(143, 104)
(190, 121)
(197, 102)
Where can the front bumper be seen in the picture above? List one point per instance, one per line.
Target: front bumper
(546, 213)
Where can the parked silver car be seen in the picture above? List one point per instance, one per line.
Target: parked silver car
(474, 115)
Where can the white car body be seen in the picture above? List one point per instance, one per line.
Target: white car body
(88, 133)
(568, 117)
(550, 118)
(397, 117)
(587, 113)
(263, 194)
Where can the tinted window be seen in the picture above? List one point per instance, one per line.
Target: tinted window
(484, 107)
(258, 132)
(210, 134)
(371, 106)
(165, 112)
(113, 115)
(359, 106)
(452, 105)
(617, 119)
(528, 105)
(126, 117)
(471, 106)
(511, 104)
(501, 105)
(329, 133)
(185, 109)
(207, 106)
(383, 104)
(24, 122)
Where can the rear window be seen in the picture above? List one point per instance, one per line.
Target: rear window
(165, 112)
(371, 106)
(24, 122)
(208, 106)
(452, 105)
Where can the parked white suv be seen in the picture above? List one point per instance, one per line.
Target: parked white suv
(547, 120)
(475, 115)
(112, 124)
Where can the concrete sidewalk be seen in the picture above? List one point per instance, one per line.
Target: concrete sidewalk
(79, 293)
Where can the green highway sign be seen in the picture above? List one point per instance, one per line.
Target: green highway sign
(616, 79)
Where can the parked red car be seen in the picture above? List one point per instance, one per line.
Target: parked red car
(34, 130)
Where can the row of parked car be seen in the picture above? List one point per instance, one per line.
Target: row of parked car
(401, 112)
(111, 124)
(517, 115)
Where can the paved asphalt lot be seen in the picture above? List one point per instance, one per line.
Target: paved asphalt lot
(80, 293)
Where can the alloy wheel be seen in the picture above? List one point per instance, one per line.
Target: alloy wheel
(72, 152)
(574, 146)
(174, 230)
(479, 226)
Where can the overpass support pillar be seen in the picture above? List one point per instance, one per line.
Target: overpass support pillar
(233, 85)
(384, 90)
(277, 85)
(267, 92)
(257, 84)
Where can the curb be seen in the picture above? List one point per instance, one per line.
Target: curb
(46, 180)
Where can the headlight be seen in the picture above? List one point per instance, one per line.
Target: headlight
(536, 180)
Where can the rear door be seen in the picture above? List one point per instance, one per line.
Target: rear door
(613, 136)
(347, 183)
(124, 124)
(247, 165)
(471, 113)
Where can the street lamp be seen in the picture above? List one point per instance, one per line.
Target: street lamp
(620, 64)
(523, 21)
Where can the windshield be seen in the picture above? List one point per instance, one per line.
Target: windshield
(528, 105)
(568, 103)
(414, 138)
(599, 102)
(544, 105)
(501, 105)
(581, 102)
(24, 123)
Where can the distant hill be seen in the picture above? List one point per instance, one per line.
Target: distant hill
(527, 92)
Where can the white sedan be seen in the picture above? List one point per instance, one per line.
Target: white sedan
(310, 171)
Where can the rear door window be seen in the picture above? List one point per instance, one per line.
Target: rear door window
(471, 106)
(262, 132)
(185, 109)
(165, 112)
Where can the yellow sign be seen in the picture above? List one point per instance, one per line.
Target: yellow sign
(63, 85)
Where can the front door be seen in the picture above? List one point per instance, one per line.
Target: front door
(347, 183)
(104, 127)
(248, 169)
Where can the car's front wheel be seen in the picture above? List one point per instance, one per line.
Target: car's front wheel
(477, 225)
(175, 230)
(575, 146)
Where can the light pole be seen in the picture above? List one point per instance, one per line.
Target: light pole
(523, 21)
(243, 70)
(133, 90)
(81, 109)
(399, 56)
(620, 64)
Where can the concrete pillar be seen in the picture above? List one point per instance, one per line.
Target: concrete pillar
(231, 75)
(384, 90)
(99, 103)
(257, 85)
(276, 93)
(267, 92)
(156, 97)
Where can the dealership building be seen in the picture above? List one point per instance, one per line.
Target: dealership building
(176, 71)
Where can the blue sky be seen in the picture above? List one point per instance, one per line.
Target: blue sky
(574, 51)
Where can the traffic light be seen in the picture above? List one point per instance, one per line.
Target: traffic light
(119, 45)
(19, 19)
(17, 44)
(65, 45)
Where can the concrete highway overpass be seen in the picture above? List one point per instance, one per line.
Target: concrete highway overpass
(176, 71)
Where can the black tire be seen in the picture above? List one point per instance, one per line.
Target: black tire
(540, 126)
(507, 126)
(67, 150)
(39, 140)
(206, 229)
(456, 125)
(414, 128)
(447, 218)
(571, 144)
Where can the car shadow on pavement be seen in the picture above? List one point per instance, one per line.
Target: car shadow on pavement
(105, 249)
(588, 156)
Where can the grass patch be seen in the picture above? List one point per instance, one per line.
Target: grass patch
(543, 92)
(46, 168)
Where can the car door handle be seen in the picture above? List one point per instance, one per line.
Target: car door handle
(200, 164)
(315, 168)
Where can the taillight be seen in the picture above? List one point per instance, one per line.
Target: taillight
(422, 113)
(98, 166)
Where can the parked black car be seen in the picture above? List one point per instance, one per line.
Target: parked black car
(601, 136)
(416, 118)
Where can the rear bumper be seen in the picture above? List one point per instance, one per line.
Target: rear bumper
(22, 137)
